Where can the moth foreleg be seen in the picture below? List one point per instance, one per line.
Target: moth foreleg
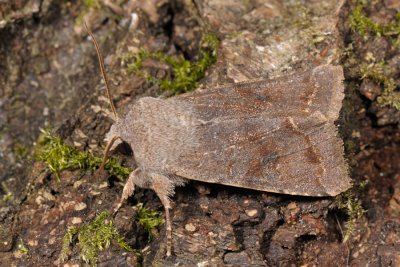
(128, 190)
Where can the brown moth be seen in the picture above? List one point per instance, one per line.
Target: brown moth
(273, 135)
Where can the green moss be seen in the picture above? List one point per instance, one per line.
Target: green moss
(21, 247)
(93, 237)
(391, 99)
(299, 15)
(91, 4)
(87, 6)
(353, 208)
(58, 156)
(363, 185)
(378, 73)
(7, 198)
(186, 74)
(148, 219)
(364, 25)
(21, 151)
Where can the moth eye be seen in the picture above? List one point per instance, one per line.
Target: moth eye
(125, 148)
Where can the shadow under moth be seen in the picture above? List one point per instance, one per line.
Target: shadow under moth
(273, 135)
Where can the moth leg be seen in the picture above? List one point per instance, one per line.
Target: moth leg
(164, 188)
(128, 190)
(168, 228)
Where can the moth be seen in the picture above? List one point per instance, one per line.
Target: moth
(274, 135)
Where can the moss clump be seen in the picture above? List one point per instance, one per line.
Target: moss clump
(88, 5)
(364, 25)
(93, 237)
(299, 15)
(58, 156)
(148, 219)
(376, 72)
(91, 4)
(22, 151)
(7, 198)
(21, 247)
(186, 74)
(354, 210)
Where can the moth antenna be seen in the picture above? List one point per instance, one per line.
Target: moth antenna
(106, 153)
(102, 69)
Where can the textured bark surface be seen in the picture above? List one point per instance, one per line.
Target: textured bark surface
(49, 75)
